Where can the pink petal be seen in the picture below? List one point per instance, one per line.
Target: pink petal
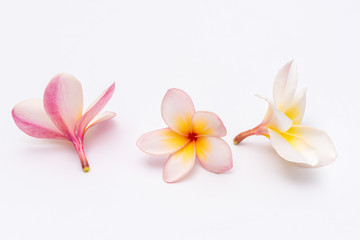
(285, 85)
(180, 163)
(101, 117)
(94, 109)
(293, 148)
(31, 118)
(161, 142)
(275, 119)
(207, 123)
(319, 140)
(214, 154)
(63, 102)
(177, 110)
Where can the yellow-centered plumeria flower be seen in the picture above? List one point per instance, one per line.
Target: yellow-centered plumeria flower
(189, 135)
(295, 143)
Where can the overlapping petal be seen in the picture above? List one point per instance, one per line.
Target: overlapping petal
(177, 110)
(208, 124)
(294, 148)
(101, 117)
(319, 140)
(94, 109)
(285, 85)
(32, 119)
(179, 163)
(275, 119)
(63, 102)
(161, 142)
(296, 109)
(214, 154)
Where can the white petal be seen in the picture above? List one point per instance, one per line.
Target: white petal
(161, 142)
(177, 110)
(214, 154)
(293, 148)
(319, 140)
(275, 119)
(285, 85)
(207, 123)
(296, 109)
(180, 163)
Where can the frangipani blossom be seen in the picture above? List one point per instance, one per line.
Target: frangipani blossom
(59, 115)
(189, 135)
(294, 142)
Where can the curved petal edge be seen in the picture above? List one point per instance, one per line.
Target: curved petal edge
(31, 118)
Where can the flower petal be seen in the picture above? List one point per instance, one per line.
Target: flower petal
(94, 109)
(207, 123)
(31, 118)
(179, 163)
(214, 154)
(275, 119)
(63, 102)
(319, 140)
(296, 109)
(285, 85)
(161, 142)
(293, 148)
(177, 110)
(101, 117)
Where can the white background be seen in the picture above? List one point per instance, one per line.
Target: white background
(221, 53)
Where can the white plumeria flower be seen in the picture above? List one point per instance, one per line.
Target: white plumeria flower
(295, 143)
(189, 135)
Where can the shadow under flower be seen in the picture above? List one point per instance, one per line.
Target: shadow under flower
(46, 148)
(291, 171)
(158, 162)
(104, 132)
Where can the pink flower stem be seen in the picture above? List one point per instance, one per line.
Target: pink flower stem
(259, 130)
(79, 146)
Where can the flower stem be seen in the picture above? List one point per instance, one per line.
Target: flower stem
(259, 130)
(80, 150)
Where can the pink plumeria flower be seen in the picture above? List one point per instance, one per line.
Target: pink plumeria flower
(303, 145)
(189, 135)
(60, 114)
